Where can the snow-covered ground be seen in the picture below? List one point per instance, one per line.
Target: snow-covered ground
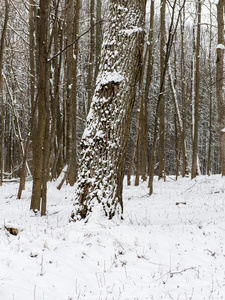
(169, 246)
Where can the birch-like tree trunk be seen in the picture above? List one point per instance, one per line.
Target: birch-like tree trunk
(1, 90)
(220, 80)
(32, 74)
(104, 142)
(185, 171)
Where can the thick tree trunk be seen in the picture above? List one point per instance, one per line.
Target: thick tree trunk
(104, 142)
(220, 80)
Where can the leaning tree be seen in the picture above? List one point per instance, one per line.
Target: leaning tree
(104, 142)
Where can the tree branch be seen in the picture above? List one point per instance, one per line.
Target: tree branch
(61, 51)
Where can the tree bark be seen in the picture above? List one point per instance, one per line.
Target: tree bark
(185, 171)
(32, 74)
(220, 80)
(161, 151)
(72, 93)
(104, 142)
(90, 81)
(196, 103)
(69, 14)
(210, 63)
(42, 98)
(98, 36)
(1, 87)
(138, 126)
(23, 169)
(149, 65)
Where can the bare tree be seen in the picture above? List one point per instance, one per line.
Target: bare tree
(1, 63)
(196, 100)
(220, 80)
(161, 149)
(37, 192)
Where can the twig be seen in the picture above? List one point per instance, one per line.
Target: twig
(180, 272)
(61, 51)
(171, 273)
(189, 188)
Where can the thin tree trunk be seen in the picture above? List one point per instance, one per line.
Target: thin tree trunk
(56, 126)
(32, 75)
(23, 169)
(2, 138)
(15, 124)
(138, 163)
(69, 15)
(72, 172)
(176, 146)
(194, 170)
(172, 31)
(1, 87)
(3, 38)
(98, 36)
(149, 51)
(177, 111)
(90, 80)
(185, 171)
(220, 80)
(42, 98)
(210, 95)
(138, 121)
(161, 149)
(72, 59)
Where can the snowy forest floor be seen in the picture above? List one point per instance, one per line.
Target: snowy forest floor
(170, 245)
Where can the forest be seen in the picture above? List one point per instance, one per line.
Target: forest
(95, 91)
(112, 150)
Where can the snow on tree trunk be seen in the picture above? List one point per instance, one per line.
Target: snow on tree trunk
(104, 142)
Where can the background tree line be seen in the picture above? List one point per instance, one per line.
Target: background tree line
(46, 92)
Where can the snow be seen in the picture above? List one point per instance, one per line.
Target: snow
(131, 30)
(220, 46)
(222, 130)
(108, 77)
(170, 245)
